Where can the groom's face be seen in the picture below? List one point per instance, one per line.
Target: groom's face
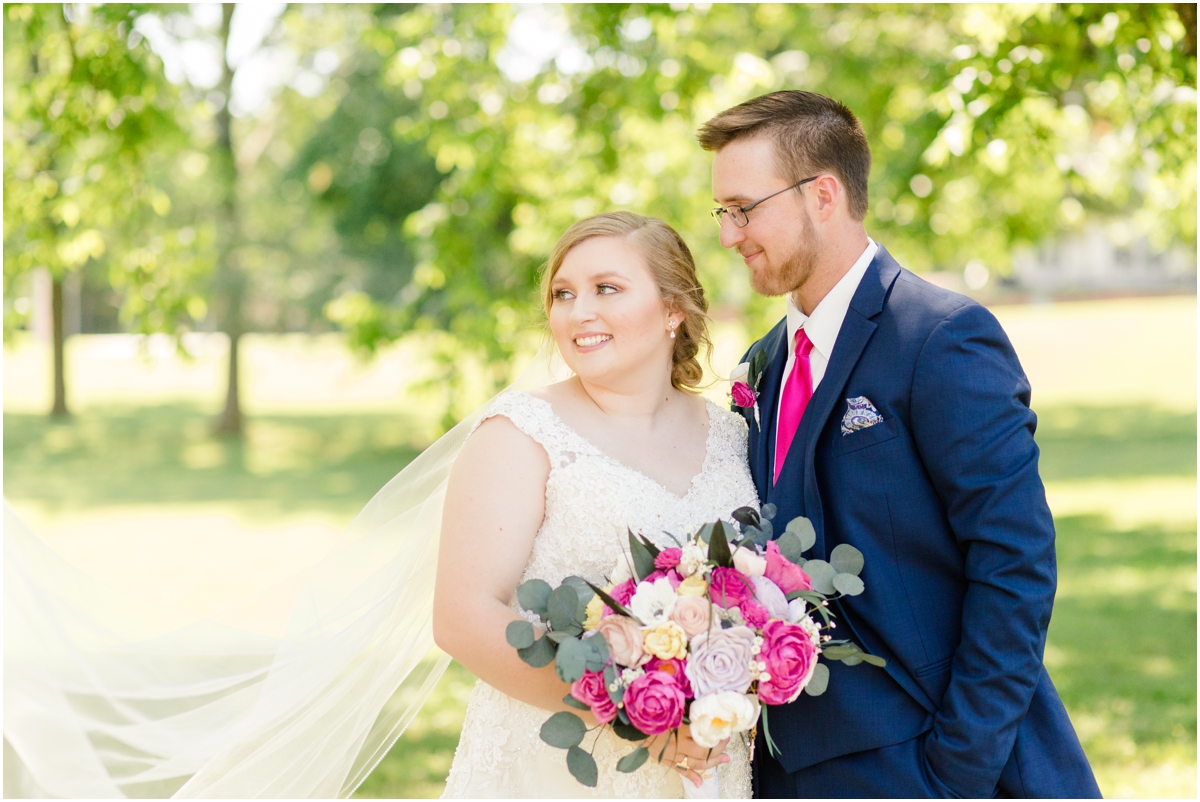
(779, 243)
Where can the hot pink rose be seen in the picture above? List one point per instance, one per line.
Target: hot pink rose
(790, 657)
(655, 703)
(668, 558)
(676, 668)
(783, 572)
(743, 396)
(755, 614)
(623, 592)
(729, 587)
(672, 576)
(590, 690)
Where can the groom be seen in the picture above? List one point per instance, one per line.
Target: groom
(895, 416)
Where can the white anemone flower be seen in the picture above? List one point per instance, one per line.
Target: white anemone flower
(718, 716)
(652, 603)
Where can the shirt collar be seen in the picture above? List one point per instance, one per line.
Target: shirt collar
(823, 325)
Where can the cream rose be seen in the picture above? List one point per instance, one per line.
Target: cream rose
(748, 562)
(694, 585)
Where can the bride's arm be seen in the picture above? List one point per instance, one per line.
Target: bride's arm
(495, 502)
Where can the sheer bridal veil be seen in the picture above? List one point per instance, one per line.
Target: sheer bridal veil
(107, 695)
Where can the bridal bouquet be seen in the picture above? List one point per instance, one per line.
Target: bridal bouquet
(702, 634)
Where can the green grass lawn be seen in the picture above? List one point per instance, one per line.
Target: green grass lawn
(1120, 477)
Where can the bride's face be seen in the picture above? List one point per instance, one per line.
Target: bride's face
(607, 316)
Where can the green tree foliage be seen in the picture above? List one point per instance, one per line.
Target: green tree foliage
(992, 127)
(85, 114)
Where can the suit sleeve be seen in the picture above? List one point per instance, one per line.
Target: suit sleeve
(974, 429)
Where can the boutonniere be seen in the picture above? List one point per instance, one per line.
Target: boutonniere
(745, 378)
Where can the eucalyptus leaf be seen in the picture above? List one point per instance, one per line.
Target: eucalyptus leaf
(634, 760)
(564, 602)
(852, 660)
(768, 511)
(767, 528)
(790, 547)
(628, 731)
(803, 529)
(585, 593)
(540, 654)
(534, 595)
(718, 546)
(575, 703)
(874, 660)
(848, 584)
(596, 652)
(519, 634)
(558, 637)
(616, 691)
(564, 730)
(846, 559)
(820, 573)
(819, 680)
(571, 660)
(582, 766)
(705, 532)
(839, 652)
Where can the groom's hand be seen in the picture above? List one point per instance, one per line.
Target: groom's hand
(682, 749)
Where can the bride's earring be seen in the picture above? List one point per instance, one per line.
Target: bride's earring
(673, 324)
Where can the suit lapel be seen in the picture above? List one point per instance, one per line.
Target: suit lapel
(775, 346)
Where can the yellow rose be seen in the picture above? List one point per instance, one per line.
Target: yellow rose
(694, 585)
(667, 641)
(595, 609)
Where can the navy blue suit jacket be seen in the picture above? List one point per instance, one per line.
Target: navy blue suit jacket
(944, 500)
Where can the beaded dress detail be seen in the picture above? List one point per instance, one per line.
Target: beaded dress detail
(590, 500)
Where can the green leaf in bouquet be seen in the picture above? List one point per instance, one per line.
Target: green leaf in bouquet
(768, 511)
(874, 660)
(819, 680)
(758, 363)
(564, 602)
(849, 584)
(852, 660)
(616, 692)
(643, 556)
(802, 528)
(634, 760)
(627, 731)
(705, 532)
(840, 651)
(534, 595)
(810, 596)
(582, 766)
(564, 730)
(571, 660)
(519, 634)
(790, 547)
(540, 654)
(846, 559)
(575, 703)
(558, 637)
(718, 546)
(820, 573)
(584, 592)
(612, 603)
(746, 516)
(597, 652)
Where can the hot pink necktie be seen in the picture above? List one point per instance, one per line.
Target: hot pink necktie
(793, 402)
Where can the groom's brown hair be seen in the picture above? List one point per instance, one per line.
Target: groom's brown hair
(811, 133)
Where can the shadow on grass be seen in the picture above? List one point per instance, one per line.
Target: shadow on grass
(167, 455)
(1115, 442)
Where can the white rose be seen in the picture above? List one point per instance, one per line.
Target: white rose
(718, 716)
(741, 373)
(768, 594)
(652, 603)
(749, 562)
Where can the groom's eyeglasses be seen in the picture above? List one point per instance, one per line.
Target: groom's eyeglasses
(738, 214)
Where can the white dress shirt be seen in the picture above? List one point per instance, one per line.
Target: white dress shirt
(823, 325)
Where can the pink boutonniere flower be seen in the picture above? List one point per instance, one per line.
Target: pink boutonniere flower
(745, 379)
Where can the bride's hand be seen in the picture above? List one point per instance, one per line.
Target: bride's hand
(683, 751)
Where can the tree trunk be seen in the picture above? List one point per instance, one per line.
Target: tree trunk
(60, 383)
(230, 283)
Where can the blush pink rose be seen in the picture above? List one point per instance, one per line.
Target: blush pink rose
(624, 639)
(755, 614)
(729, 587)
(671, 576)
(668, 558)
(743, 396)
(790, 657)
(654, 703)
(783, 572)
(692, 613)
(590, 690)
(676, 668)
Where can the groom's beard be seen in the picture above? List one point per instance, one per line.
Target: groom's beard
(797, 268)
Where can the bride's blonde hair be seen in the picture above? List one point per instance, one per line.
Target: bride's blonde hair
(674, 272)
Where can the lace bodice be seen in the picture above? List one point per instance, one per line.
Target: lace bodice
(591, 499)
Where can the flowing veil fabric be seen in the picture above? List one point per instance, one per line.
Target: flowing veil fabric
(107, 695)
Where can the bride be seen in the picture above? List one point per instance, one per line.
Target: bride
(548, 482)
(300, 689)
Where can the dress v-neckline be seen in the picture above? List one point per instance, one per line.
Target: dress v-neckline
(692, 485)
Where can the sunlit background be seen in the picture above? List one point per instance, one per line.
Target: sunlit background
(257, 257)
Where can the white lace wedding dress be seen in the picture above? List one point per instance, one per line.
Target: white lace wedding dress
(590, 500)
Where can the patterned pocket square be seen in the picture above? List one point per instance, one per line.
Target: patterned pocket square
(860, 414)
